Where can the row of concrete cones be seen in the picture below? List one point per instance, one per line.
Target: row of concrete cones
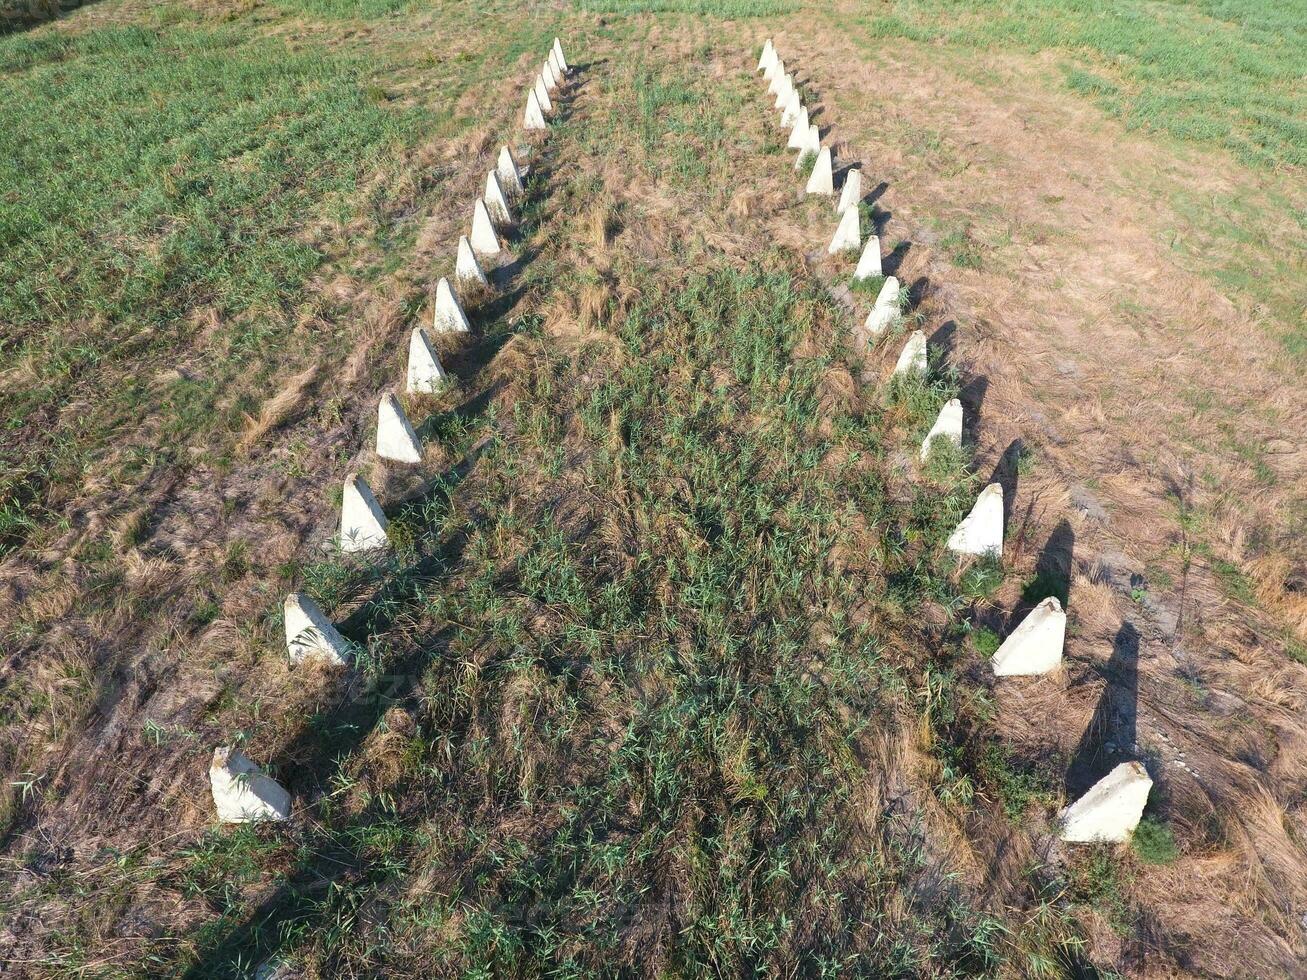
(1112, 808)
(241, 791)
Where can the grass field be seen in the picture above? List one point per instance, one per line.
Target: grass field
(668, 672)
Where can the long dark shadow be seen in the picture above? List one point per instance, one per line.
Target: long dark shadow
(1111, 734)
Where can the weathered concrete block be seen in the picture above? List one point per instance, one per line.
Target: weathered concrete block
(467, 270)
(848, 236)
(886, 308)
(1034, 647)
(1110, 811)
(811, 145)
(851, 192)
(362, 523)
(821, 180)
(497, 201)
(981, 531)
(510, 176)
(396, 438)
(449, 317)
(869, 262)
(558, 54)
(534, 117)
(425, 374)
(541, 93)
(784, 90)
(791, 111)
(484, 241)
(947, 426)
(768, 56)
(913, 358)
(778, 76)
(310, 635)
(243, 793)
(799, 133)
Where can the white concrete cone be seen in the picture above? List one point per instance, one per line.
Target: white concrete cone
(913, 358)
(310, 635)
(791, 111)
(768, 56)
(947, 426)
(425, 375)
(243, 793)
(395, 436)
(548, 74)
(851, 193)
(869, 263)
(542, 95)
(811, 145)
(556, 65)
(362, 524)
(466, 267)
(449, 317)
(848, 236)
(497, 201)
(558, 53)
(1034, 647)
(885, 309)
(778, 73)
(534, 118)
(799, 134)
(784, 91)
(510, 177)
(1110, 811)
(821, 181)
(981, 531)
(484, 241)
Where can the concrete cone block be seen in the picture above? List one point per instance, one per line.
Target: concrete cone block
(1110, 811)
(848, 236)
(449, 317)
(811, 145)
(310, 635)
(242, 793)
(791, 111)
(913, 358)
(395, 436)
(497, 201)
(768, 56)
(510, 176)
(556, 65)
(558, 54)
(484, 241)
(869, 263)
(549, 75)
(851, 193)
(534, 117)
(425, 375)
(467, 270)
(542, 95)
(784, 91)
(821, 181)
(947, 426)
(981, 531)
(362, 523)
(778, 73)
(799, 134)
(1034, 647)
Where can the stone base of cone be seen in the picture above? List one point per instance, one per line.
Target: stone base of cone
(242, 793)
(981, 531)
(1110, 811)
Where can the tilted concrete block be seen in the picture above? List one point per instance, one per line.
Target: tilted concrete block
(242, 793)
(362, 523)
(1034, 647)
(1110, 811)
(981, 531)
(396, 438)
(310, 635)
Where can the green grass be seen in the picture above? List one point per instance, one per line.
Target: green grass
(1154, 842)
(726, 9)
(1219, 72)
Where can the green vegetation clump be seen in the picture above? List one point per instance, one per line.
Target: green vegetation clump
(1154, 842)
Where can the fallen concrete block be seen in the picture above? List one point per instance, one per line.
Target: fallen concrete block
(869, 262)
(1034, 647)
(510, 176)
(981, 531)
(848, 236)
(541, 93)
(467, 270)
(534, 117)
(558, 54)
(799, 133)
(243, 793)
(821, 180)
(913, 358)
(811, 146)
(497, 201)
(396, 438)
(484, 241)
(851, 192)
(449, 317)
(310, 635)
(947, 426)
(768, 56)
(362, 523)
(791, 111)
(1110, 811)
(425, 375)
